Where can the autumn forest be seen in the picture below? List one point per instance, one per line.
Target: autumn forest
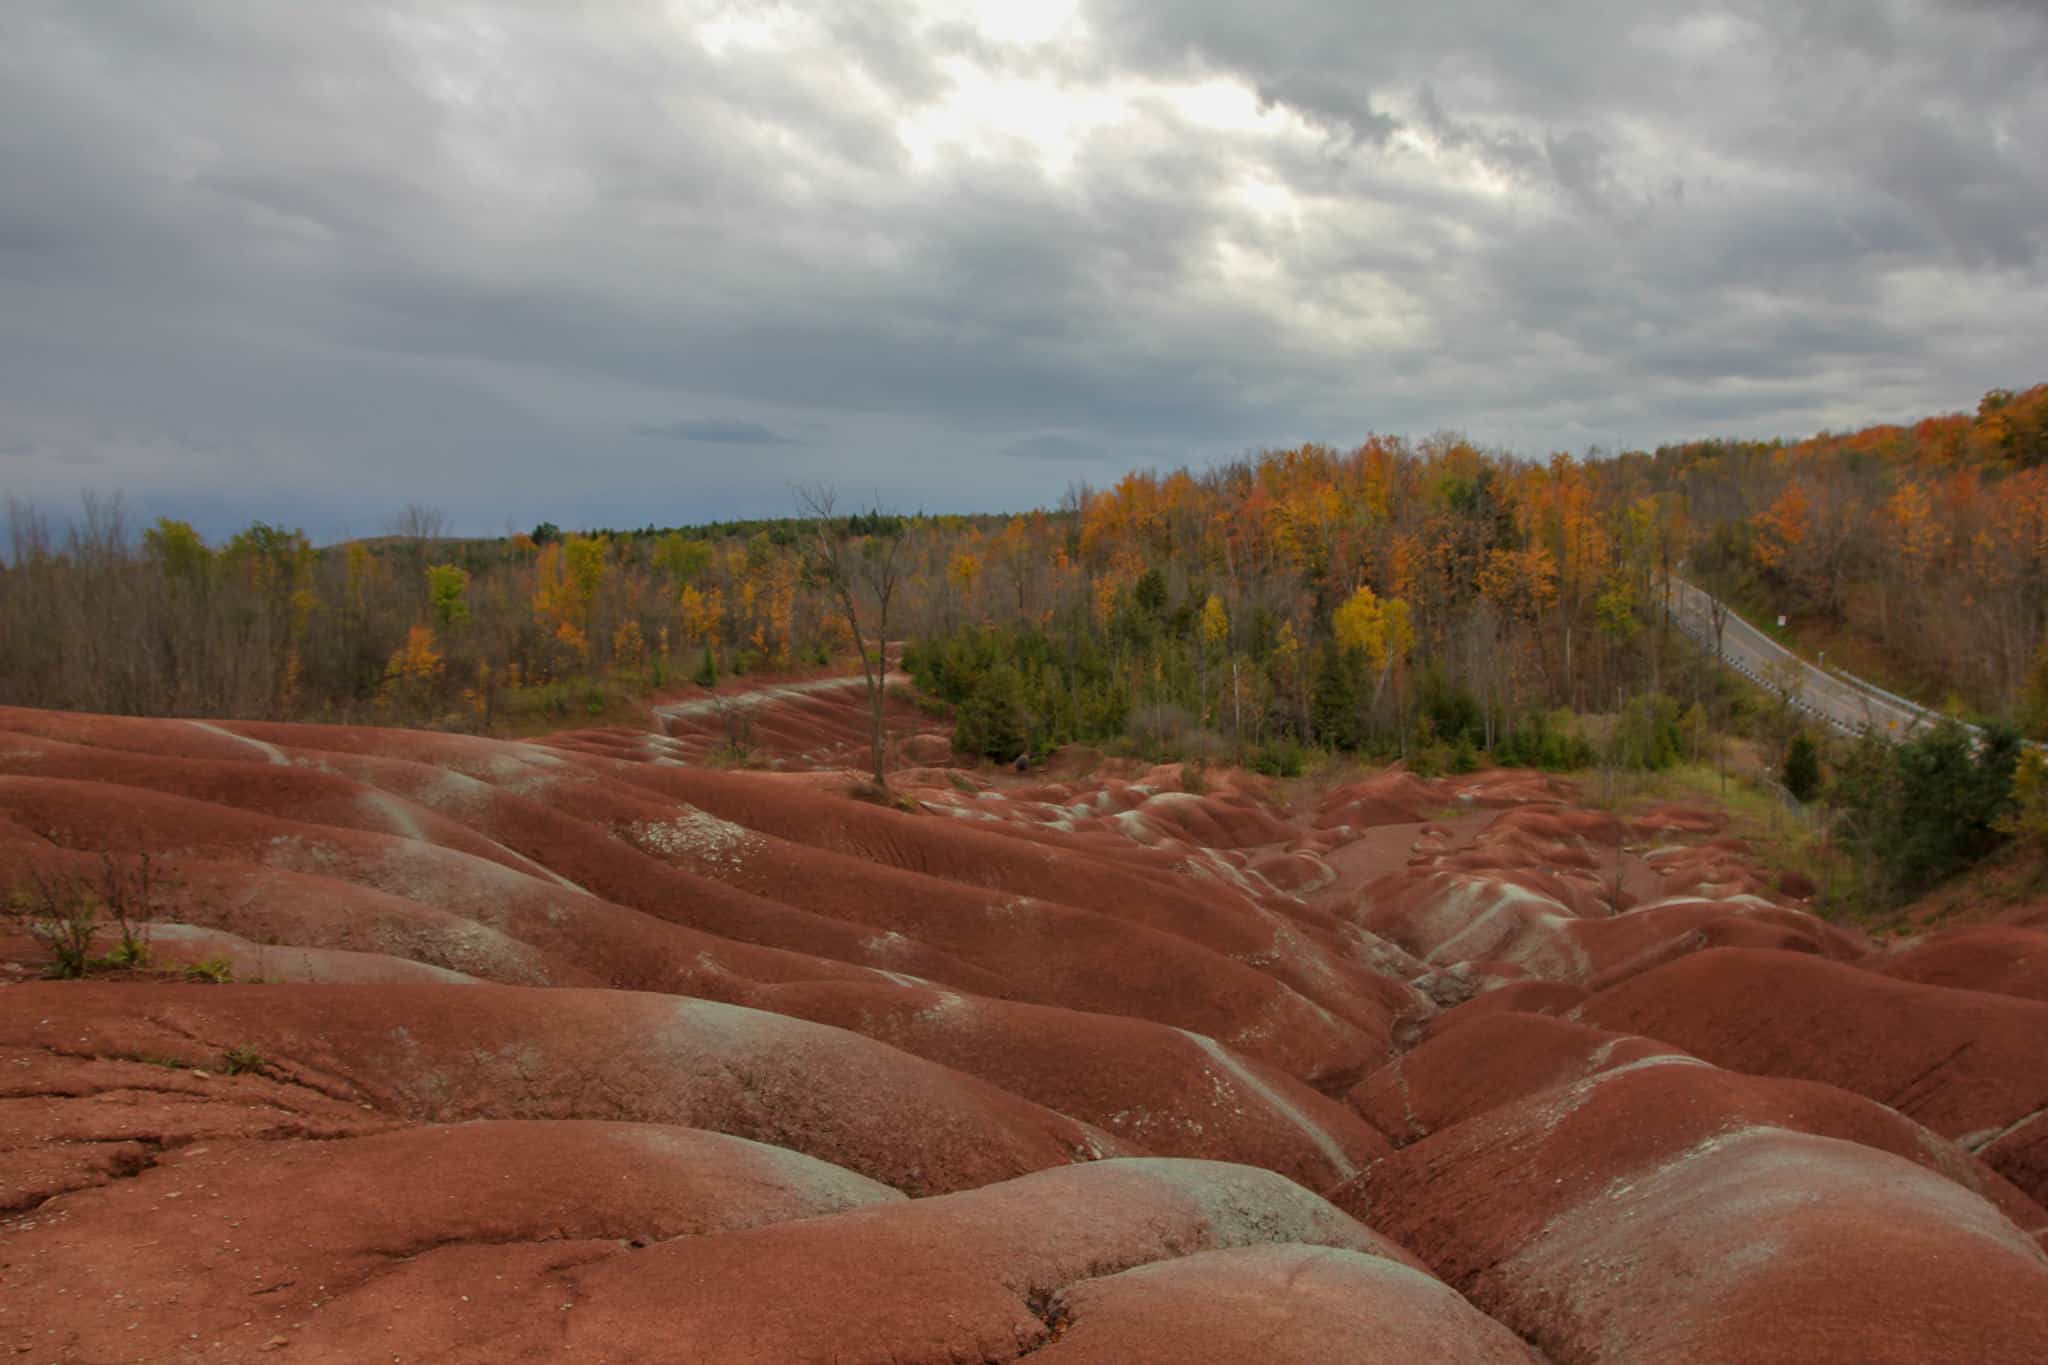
(1320, 594)
(1427, 600)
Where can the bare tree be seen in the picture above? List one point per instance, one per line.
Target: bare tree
(420, 522)
(859, 567)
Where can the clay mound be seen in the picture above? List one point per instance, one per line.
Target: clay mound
(724, 825)
(1967, 1064)
(283, 790)
(632, 1242)
(1526, 997)
(1668, 1210)
(170, 738)
(800, 722)
(1157, 951)
(969, 995)
(1292, 1303)
(1063, 881)
(926, 751)
(242, 1239)
(69, 1123)
(188, 946)
(1444, 918)
(1673, 929)
(432, 1054)
(994, 1258)
(514, 838)
(1795, 1248)
(1502, 788)
(1214, 821)
(1293, 872)
(1708, 871)
(1396, 797)
(1523, 919)
(1490, 1061)
(1990, 957)
(1162, 1089)
(540, 935)
(1550, 822)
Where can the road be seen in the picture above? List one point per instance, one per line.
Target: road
(1841, 700)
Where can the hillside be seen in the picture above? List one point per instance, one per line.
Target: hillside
(1508, 584)
(455, 1048)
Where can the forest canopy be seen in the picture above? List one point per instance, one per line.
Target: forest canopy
(1359, 597)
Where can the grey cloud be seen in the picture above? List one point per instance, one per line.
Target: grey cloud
(716, 431)
(298, 253)
(1056, 447)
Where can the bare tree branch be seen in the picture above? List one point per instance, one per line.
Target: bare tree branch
(859, 571)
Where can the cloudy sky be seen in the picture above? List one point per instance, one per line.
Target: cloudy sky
(607, 263)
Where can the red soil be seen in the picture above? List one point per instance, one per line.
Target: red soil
(1667, 1210)
(571, 1049)
(1967, 1064)
(1488, 1062)
(1987, 957)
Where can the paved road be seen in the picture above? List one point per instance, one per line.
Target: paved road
(1841, 700)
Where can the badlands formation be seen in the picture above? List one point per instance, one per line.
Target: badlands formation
(579, 1049)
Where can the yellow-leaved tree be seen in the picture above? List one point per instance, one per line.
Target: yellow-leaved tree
(413, 675)
(1380, 629)
(1215, 640)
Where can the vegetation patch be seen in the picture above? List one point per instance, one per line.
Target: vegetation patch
(243, 1061)
(68, 912)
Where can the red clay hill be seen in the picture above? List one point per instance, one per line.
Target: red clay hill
(625, 1046)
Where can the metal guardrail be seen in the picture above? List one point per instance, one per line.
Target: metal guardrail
(1703, 636)
(1861, 685)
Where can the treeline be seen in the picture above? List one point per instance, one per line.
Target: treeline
(406, 628)
(414, 627)
(1394, 596)
(1929, 541)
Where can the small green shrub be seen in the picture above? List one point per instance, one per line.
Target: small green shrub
(1430, 760)
(1546, 740)
(732, 754)
(1802, 768)
(1450, 709)
(1280, 758)
(2028, 819)
(67, 910)
(218, 970)
(1160, 729)
(1646, 736)
(68, 929)
(245, 1060)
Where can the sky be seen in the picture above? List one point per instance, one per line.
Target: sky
(617, 263)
